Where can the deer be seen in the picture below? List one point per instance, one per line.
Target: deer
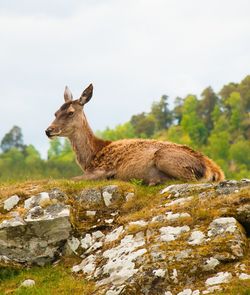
(150, 161)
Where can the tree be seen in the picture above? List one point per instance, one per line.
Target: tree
(191, 123)
(177, 111)
(13, 139)
(161, 113)
(55, 148)
(206, 106)
(121, 131)
(143, 124)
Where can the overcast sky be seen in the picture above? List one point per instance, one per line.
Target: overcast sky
(133, 51)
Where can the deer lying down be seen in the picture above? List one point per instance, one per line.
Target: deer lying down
(152, 161)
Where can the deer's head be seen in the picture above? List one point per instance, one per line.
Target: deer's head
(70, 114)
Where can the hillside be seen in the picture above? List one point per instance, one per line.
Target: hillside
(124, 238)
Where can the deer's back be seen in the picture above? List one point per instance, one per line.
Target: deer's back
(133, 154)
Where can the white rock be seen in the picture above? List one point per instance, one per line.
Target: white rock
(210, 264)
(170, 233)
(87, 265)
(185, 292)
(73, 243)
(174, 216)
(44, 196)
(114, 235)
(28, 202)
(11, 202)
(196, 292)
(220, 278)
(12, 222)
(90, 213)
(28, 283)
(120, 263)
(168, 293)
(159, 273)
(159, 218)
(180, 201)
(183, 254)
(139, 223)
(87, 241)
(244, 276)
(129, 196)
(109, 221)
(167, 189)
(196, 238)
(222, 225)
(211, 289)
(94, 247)
(174, 276)
(97, 234)
(107, 197)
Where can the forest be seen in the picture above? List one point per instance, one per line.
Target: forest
(218, 124)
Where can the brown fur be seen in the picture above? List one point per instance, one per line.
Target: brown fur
(150, 160)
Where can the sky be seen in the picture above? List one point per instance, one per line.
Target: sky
(133, 51)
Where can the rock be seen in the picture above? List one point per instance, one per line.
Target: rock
(159, 273)
(212, 289)
(141, 223)
(111, 194)
(114, 235)
(185, 292)
(222, 225)
(170, 233)
(38, 200)
(28, 283)
(244, 276)
(210, 264)
(180, 201)
(220, 278)
(186, 188)
(157, 253)
(228, 232)
(11, 202)
(129, 196)
(196, 238)
(174, 216)
(73, 244)
(36, 238)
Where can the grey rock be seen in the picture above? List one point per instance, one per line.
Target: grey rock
(38, 238)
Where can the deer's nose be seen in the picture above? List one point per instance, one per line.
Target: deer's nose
(48, 131)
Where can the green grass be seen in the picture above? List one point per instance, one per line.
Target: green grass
(50, 280)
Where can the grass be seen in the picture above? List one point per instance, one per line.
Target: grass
(50, 280)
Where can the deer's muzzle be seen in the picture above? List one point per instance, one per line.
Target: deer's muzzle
(51, 132)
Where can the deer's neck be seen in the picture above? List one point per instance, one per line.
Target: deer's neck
(85, 144)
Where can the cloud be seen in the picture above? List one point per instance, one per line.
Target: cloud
(132, 51)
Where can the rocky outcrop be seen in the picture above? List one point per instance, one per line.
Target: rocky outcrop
(194, 241)
(37, 231)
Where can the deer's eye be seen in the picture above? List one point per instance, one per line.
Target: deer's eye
(70, 114)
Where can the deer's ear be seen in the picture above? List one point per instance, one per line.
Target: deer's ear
(86, 95)
(67, 94)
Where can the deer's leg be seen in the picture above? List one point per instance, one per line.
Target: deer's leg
(95, 175)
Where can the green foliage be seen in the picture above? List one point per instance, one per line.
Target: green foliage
(143, 125)
(12, 139)
(191, 122)
(119, 132)
(217, 124)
